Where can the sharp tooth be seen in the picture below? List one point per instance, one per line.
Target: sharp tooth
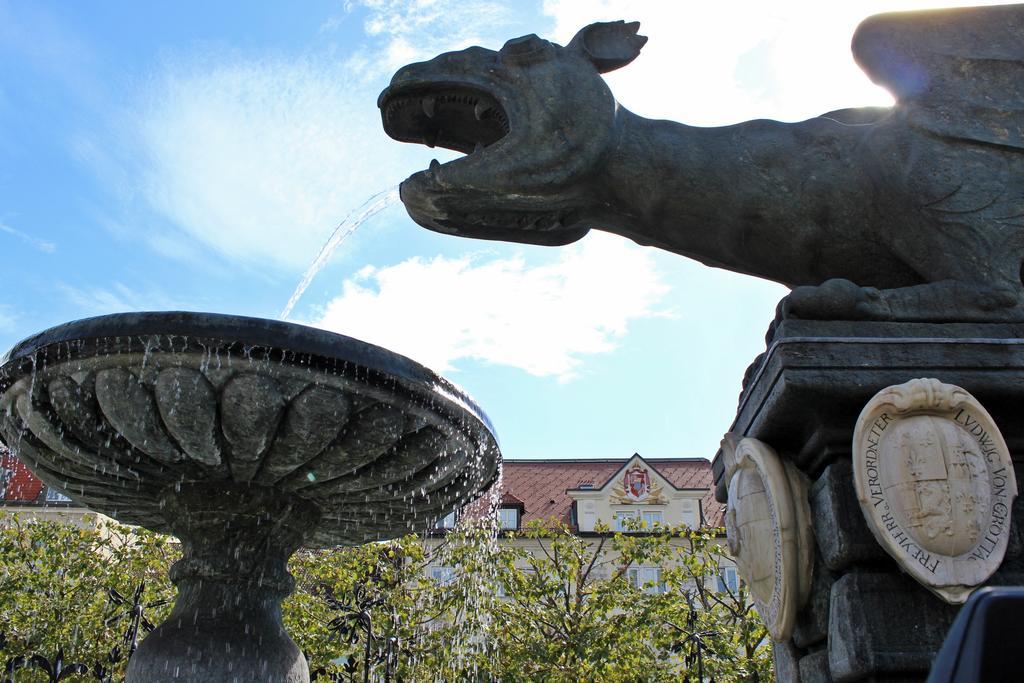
(479, 110)
(428, 106)
(430, 139)
(478, 148)
(434, 165)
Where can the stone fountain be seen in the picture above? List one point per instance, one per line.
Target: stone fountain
(247, 439)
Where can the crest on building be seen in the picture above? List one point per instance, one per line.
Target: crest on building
(637, 483)
(637, 486)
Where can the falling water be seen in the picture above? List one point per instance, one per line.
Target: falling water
(371, 207)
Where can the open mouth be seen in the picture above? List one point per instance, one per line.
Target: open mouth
(453, 116)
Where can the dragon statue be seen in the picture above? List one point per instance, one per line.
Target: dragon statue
(914, 212)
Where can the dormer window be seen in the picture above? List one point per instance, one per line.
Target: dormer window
(508, 518)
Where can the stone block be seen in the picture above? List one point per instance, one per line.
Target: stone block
(786, 659)
(1014, 559)
(884, 626)
(842, 535)
(804, 394)
(812, 621)
(814, 668)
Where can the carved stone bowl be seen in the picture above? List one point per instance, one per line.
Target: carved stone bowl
(247, 439)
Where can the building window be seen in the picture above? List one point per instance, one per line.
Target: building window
(728, 580)
(626, 521)
(443, 576)
(647, 579)
(637, 520)
(54, 496)
(652, 518)
(508, 518)
(446, 522)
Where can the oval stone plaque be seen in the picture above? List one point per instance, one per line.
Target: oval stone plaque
(935, 482)
(768, 529)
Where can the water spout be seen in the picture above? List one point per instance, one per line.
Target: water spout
(371, 207)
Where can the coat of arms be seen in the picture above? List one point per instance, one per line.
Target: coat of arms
(637, 487)
(636, 483)
(935, 481)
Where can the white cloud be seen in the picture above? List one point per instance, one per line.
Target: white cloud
(256, 160)
(259, 160)
(540, 318)
(720, 63)
(419, 29)
(42, 245)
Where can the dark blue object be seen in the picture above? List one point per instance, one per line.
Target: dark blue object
(985, 642)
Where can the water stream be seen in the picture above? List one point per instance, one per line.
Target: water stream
(368, 209)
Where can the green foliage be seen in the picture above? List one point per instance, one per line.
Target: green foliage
(540, 605)
(574, 612)
(704, 621)
(356, 605)
(571, 613)
(55, 583)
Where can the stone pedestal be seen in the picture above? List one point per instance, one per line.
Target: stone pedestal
(865, 619)
(226, 625)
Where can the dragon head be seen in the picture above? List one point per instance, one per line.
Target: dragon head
(533, 120)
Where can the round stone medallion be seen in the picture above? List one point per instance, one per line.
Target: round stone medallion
(768, 529)
(935, 483)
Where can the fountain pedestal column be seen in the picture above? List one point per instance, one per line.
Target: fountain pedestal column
(226, 625)
(865, 618)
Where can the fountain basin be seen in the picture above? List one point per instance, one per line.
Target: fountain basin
(247, 439)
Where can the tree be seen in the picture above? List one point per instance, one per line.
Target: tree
(582, 609)
(353, 610)
(62, 591)
(712, 624)
(71, 595)
(372, 613)
(547, 605)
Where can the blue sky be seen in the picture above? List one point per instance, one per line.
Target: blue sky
(196, 155)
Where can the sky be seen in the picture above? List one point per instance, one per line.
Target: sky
(196, 156)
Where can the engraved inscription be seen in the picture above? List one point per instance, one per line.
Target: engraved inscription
(935, 483)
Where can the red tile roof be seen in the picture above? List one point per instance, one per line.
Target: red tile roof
(17, 483)
(541, 484)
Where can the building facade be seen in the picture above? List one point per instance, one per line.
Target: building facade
(596, 498)
(584, 494)
(591, 497)
(23, 493)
